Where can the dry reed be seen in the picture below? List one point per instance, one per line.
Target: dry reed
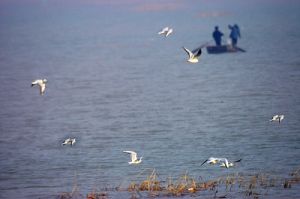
(253, 186)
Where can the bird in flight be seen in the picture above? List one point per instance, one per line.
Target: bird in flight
(41, 83)
(69, 141)
(133, 156)
(229, 164)
(278, 118)
(222, 161)
(165, 31)
(212, 160)
(193, 55)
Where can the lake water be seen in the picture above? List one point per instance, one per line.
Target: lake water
(115, 84)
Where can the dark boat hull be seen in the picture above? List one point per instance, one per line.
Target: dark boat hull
(223, 49)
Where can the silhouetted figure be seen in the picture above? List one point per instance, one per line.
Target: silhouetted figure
(238, 30)
(217, 35)
(234, 34)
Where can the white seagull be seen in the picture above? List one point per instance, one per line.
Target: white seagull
(70, 141)
(278, 118)
(193, 55)
(228, 164)
(165, 31)
(213, 160)
(223, 162)
(133, 156)
(41, 83)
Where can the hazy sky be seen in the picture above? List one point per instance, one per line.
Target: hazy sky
(205, 8)
(150, 4)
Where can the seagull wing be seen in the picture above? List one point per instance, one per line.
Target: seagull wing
(133, 155)
(225, 161)
(42, 88)
(163, 31)
(212, 160)
(190, 54)
(197, 52)
(66, 141)
(238, 160)
(274, 118)
(35, 82)
(204, 162)
(32, 84)
(169, 32)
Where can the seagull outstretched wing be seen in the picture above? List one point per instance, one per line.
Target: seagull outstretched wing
(190, 54)
(41, 83)
(35, 82)
(197, 52)
(133, 155)
(42, 88)
(238, 160)
(275, 117)
(204, 162)
(169, 32)
(163, 31)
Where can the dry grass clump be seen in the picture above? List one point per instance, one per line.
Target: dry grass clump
(209, 185)
(151, 184)
(132, 187)
(250, 186)
(257, 185)
(71, 195)
(101, 195)
(183, 185)
(64, 196)
(295, 179)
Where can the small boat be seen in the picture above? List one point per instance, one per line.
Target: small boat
(223, 49)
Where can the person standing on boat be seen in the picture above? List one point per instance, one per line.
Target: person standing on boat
(234, 34)
(217, 35)
(238, 30)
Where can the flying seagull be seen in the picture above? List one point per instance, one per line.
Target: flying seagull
(193, 55)
(278, 118)
(223, 162)
(41, 83)
(212, 160)
(133, 156)
(165, 31)
(229, 164)
(70, 141)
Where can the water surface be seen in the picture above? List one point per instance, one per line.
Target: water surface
(115, 85)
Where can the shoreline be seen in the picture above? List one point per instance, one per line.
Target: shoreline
(235, 185)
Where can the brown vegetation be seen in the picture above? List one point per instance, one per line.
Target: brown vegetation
(253, 186)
